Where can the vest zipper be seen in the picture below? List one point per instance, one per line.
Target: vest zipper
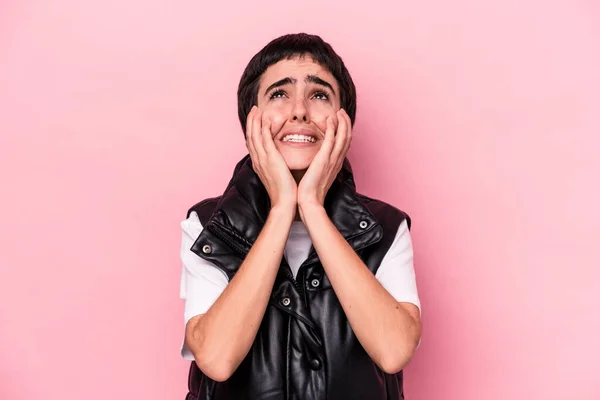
(287, 359)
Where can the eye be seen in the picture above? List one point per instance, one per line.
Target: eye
(278, 94)
(321, 95)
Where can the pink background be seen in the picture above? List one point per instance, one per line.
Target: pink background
(480, 119)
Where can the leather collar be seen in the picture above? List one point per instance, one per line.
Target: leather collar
(244, 206)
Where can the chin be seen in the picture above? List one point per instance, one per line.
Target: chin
(297, 165)
(298, 159)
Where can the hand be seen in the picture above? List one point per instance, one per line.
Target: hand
(268, 163)
(327, 163)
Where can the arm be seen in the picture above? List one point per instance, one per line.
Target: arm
(221, 338)
(388, 330)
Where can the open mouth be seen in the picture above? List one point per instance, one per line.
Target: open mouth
(298, 138)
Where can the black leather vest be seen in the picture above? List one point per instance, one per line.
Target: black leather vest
(305, 347)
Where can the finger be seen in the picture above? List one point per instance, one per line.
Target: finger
(267, 136)
(249, 143)
(257, 137)
(329, 140)
(340, 138)
(249, 120)
(349, 134)
(335, 120)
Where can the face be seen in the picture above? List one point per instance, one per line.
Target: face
(298, 95)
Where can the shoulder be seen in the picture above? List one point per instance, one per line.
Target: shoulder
(385, 212)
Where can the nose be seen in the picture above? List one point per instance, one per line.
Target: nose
(300, 111)
(297, 117)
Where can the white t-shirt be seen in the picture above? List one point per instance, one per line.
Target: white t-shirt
(202, 282)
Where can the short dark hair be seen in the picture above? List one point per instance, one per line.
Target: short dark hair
(287, 47)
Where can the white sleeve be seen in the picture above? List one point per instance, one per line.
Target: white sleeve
(201, 281)
(396, 272)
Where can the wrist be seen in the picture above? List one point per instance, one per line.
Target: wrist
(284, 210)
(311, 204)
(310, 208)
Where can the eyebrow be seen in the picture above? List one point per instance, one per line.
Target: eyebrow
(309, 78)
(281, 82)
(319, 81)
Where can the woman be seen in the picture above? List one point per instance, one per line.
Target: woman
(296, 286)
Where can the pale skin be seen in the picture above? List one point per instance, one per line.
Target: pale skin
(297, 177)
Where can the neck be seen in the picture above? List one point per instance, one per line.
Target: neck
(297, 174)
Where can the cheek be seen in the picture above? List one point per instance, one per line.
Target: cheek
(277, 117)
(320, 119)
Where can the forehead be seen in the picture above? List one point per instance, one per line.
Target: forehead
(297, 67)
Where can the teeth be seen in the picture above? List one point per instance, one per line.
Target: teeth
(299, 139)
